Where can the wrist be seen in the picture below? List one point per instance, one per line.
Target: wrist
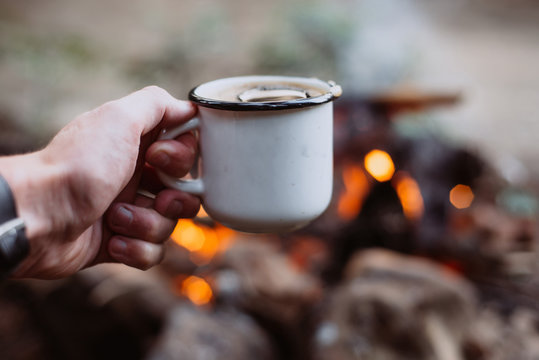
(34, 184)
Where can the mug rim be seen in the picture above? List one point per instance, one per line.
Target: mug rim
(333, 92)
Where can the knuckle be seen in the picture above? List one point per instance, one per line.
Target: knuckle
(153, 235)
(150, 256)
(155, 90)
(100, 112)
(156, 230)
(149, 229)
(110, 107)
(158, 97)
(113, 110)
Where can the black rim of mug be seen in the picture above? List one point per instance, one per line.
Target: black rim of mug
(256, 106)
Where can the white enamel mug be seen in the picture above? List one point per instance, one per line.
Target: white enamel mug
(266, 145)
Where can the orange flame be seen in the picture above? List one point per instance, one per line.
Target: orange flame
(410, 196)
(189, 235)
(197, 290)
(356, 187)
(461, 196)
(204, 242)
(208, 249)
(380, 165)
(202, 213)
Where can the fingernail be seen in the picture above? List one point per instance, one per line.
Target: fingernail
(122, 218)
(160, 159)
(117, 247)
(174, 209)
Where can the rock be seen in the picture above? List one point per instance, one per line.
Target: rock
(392, 306)
(495, 337)
(196, 334)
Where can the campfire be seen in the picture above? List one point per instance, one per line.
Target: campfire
(419, 256)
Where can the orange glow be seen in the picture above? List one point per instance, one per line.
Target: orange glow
(380, 165)
(202, 213)
(461, 196)
(410, 196)
(188, 235)
(202, 241)
(209, 247)
(226, 236)
(356, 187)
(197, 290)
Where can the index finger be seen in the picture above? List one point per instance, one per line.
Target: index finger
(153, 106)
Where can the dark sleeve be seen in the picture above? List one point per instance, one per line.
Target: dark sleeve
(14, 246)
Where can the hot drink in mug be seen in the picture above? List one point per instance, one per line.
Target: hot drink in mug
(266, 146)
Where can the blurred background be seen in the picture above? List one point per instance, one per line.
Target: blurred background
(428, 250)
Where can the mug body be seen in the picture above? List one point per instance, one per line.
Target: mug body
(266, 146)
(266, 170)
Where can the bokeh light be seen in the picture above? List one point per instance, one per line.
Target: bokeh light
(189, 235)
(197, 290)
(410, 196)
(380, 165)
(356, 187)
(461, 196)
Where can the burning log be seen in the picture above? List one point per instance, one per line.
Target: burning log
(256, 278)
(381, 223)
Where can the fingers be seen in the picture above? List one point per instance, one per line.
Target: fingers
(157, 105)
(176, 204)
(175, 157)
(141, 229)
(135, 252)
(144, 199)
(140, 223)
(155, 224)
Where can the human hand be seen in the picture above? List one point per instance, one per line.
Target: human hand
(78, 196)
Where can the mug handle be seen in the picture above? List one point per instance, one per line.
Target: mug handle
(194, 186)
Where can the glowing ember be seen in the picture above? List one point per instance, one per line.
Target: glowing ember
(188, 235)
(380, 165)
(197, 290)
(410, 196)
(461, 196)
(356, 187)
